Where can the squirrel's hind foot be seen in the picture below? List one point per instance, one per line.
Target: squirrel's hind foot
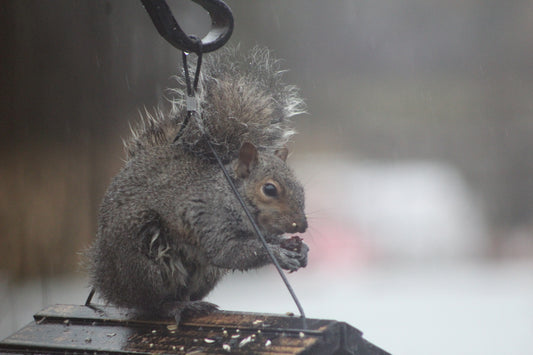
(186, 309)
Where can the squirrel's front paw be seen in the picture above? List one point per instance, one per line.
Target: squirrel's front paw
(291, 260)
(296, 244)
(303, 255)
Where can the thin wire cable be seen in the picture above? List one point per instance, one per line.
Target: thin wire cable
(191, 89)
(259, 234)
(191, 93)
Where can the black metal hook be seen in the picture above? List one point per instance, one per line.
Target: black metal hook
(164, 21)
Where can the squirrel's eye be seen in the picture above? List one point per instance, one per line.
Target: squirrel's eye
(270, 190)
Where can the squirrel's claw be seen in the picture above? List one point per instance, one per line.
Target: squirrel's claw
(179, 310)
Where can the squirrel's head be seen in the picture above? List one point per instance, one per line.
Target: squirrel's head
(273, 190)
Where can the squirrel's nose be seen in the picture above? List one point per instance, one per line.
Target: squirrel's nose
(300, 226)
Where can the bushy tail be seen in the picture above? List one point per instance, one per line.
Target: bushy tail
(241, 98)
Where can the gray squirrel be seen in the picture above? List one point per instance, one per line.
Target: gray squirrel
(169, 226)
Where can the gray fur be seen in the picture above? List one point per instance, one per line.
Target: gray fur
(169, 226)
(246, 93)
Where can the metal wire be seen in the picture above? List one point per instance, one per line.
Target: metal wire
(259, 234)
(192, 103)
(222, 21)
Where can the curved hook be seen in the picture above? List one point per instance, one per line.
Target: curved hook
(164, 21)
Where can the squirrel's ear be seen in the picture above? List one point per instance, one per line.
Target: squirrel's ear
(247, 160)
(282, 153)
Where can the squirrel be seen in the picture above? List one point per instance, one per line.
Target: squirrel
(169, 226)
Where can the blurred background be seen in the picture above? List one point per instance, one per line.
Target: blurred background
(415, 153)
